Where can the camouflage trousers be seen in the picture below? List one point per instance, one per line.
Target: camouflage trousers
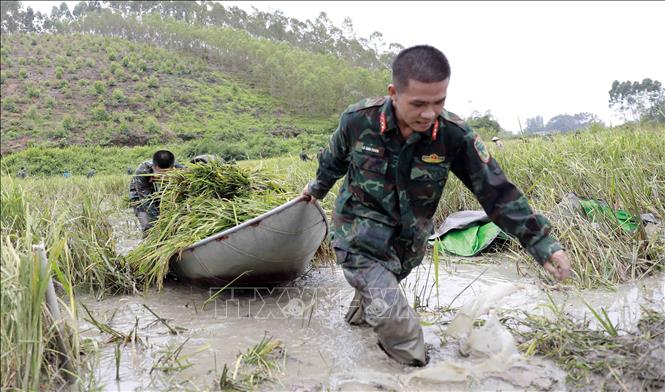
(379, 303)
(147, 217)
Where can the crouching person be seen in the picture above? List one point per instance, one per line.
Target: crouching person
(145, 185)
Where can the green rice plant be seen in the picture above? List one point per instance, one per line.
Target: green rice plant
(172, 330)
(258, 364)
(172, 360)
(30, 350)
(14, 217)
(71, 217)
(116, 336)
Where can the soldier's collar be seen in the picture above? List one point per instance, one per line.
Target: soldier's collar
(388, 121)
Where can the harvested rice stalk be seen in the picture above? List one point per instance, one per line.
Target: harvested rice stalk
(197, 202)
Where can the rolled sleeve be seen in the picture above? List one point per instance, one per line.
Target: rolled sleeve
(543, 249)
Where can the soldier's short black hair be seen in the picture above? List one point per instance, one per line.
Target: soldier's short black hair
(164, 159)
(423, 63)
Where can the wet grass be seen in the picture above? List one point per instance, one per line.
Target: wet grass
(116, 336)
(624, 168)
(259, 364)
(599, 359)
(69, 217)
(33, 341)
(172, 359)
(172, 330)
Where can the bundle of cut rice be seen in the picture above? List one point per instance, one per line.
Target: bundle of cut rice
(196, 202)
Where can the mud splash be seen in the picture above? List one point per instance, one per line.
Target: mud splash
(322, 351)
(491, 349)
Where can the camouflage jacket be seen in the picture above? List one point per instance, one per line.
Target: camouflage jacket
(142, 187)
(393, 186)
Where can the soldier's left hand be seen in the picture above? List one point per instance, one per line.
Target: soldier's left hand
(305, 192)
(558, 265)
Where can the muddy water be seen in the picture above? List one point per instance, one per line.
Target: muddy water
(126, 230)
(322, 351)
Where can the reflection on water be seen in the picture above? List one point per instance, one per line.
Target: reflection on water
(323, 352)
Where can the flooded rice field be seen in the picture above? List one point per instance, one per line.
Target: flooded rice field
(182, 340)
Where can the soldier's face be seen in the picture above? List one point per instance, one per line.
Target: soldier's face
(158, 173)
(418, 104)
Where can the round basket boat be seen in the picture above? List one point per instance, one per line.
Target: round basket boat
(272, 248)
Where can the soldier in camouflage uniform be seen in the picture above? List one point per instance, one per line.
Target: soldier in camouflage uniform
(145, 183)
(303, 155)
(397, 152)
(22, 173)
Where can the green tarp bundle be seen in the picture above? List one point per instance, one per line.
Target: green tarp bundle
(472, 240)
(467, 233)
(594, 209)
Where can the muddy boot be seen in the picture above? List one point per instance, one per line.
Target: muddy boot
(379, 302)
(414, 362)
(393, 319)
(356, 313)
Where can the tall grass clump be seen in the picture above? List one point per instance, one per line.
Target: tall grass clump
(257, 365)
(39, 349)
(625, 168)
(197, 202)
(71, 217)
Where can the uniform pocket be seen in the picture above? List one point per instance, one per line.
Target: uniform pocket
(428, 173)
(372, 238)
(369, 163)
(368, 177)
(427, 182)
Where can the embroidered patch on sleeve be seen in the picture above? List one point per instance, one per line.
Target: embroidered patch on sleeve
(481, 150)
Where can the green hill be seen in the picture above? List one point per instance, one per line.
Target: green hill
(81, 89)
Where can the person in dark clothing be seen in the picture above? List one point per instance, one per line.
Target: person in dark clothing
(396, 153)
(145, 184)
(203, 158)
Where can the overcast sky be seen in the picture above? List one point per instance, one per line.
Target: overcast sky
(517, 59)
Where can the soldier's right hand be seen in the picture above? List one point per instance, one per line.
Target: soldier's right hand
(558, 265)
(305, 192)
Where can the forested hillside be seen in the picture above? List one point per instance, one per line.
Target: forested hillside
(195, 74)
(86, 89)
